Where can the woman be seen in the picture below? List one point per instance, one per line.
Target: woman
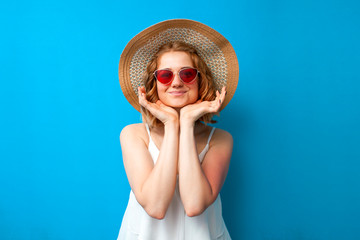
(175, 163)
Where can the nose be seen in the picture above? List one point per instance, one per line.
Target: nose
(177, 82)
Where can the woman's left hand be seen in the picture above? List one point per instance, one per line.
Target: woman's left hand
(193, 112)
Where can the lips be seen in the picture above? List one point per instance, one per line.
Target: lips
(177, 93)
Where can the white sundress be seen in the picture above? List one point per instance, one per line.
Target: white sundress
(176, 225)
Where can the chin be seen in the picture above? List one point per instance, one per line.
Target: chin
(179, 104)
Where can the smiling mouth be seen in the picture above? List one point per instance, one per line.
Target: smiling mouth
(177, 93)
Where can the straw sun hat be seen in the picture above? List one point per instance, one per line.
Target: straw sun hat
(212, 47)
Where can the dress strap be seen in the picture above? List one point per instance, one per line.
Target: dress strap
(148, 130)
(211, 133)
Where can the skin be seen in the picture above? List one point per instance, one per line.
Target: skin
(179, 140)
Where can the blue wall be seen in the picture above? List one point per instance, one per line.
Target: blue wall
(295, 116)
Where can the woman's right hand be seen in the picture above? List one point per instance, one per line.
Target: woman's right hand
(159, 110)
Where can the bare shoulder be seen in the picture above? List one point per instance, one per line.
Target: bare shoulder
(222, 137)
(137, 130)
(133, 128)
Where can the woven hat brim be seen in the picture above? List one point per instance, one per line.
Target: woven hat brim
(141, 39)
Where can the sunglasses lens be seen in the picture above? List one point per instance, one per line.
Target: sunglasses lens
(164, 76)
(188, 74)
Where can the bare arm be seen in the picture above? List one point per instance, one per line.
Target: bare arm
(199, 183)
(152, 184)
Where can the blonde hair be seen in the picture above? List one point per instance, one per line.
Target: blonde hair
(207, 90)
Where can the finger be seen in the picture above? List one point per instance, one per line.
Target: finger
(217, 97)
(142, 98)
(223, 91)
(222, 96)
(210, 107)
(141, 89)
(218, 102)
(153, 108)
(139, 94)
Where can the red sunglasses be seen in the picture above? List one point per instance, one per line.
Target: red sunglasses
(166, 76)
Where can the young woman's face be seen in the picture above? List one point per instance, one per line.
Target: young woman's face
(177, 94)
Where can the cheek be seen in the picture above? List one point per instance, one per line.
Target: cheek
(197, 87)
(160, 90)
(195, 93)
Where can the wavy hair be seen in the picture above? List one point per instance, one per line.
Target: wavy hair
(207, 90)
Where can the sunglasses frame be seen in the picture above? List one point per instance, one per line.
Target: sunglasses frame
(178, 73)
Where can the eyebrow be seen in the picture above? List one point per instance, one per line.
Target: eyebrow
(172, 69)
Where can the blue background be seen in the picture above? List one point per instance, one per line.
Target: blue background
(294, 118)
